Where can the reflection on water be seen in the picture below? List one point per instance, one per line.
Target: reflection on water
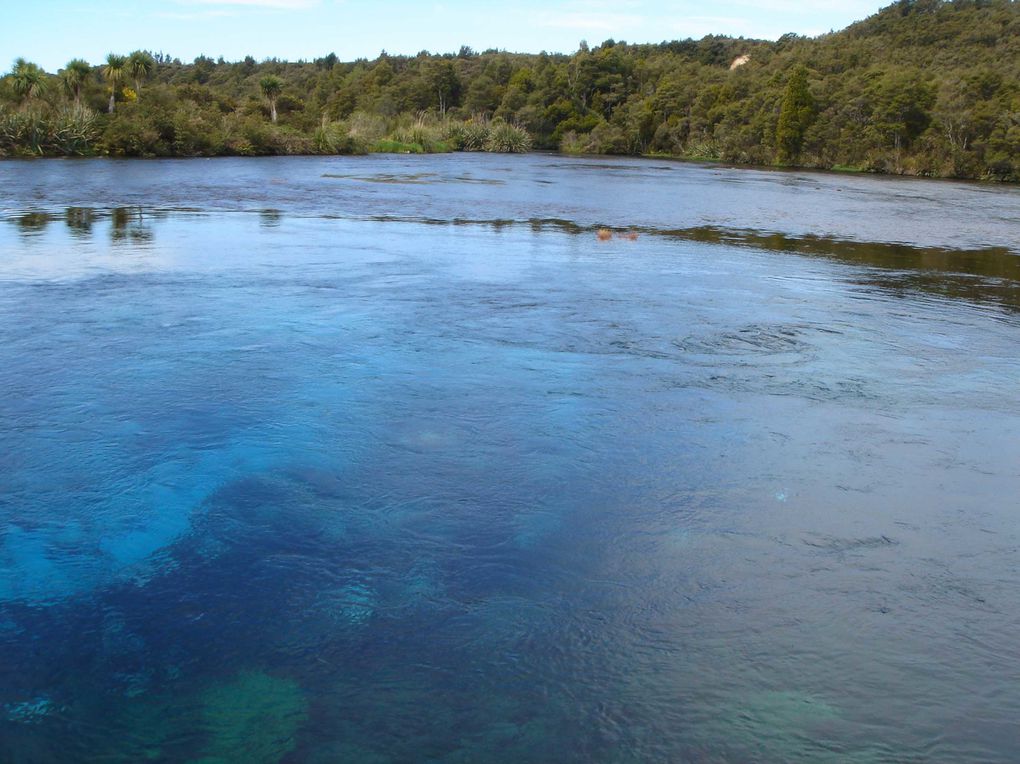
(128, 224)
(302, 485)
(32, 223)
(79, 220)
(981, 275)
(415, 179)
(991, 274)
(270, 218)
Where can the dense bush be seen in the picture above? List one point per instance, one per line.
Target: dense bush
(69, 130)
(923, 87)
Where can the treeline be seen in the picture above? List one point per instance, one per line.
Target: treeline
(924, 87)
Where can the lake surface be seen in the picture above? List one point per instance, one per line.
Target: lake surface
(390, 459)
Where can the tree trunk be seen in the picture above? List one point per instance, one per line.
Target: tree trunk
(113, 98)
(272, 110)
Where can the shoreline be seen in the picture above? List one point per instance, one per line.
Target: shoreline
(843, 171)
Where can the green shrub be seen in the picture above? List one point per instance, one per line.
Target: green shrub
(474, 135)
(572, 143)
(20, 132)
(74, 130)
(336, 138)
(428, 137)
(505, 138)
(702, 150)
(195, 134)
(131, 135)
(389, 146)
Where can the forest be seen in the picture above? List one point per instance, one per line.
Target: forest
(923, 87)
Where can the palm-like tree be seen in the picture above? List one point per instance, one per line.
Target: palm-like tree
(113, 73)
(74, 75)
(271, 86)
(29, 80)
(141, 65)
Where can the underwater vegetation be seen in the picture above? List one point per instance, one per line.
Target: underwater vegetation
(252, 718)
(783, 726)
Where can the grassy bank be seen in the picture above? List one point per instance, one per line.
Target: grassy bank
(81, 131)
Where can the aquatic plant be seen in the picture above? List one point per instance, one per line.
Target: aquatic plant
(352, 604)
(32, 711)
(507, 741)
(253, 718)
(421, 587)
(344, 751)
(780, 726)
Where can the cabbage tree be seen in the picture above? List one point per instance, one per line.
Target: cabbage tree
(74, 77)
(141, 64)
(271, 86)
(113, 73)
(28, 80)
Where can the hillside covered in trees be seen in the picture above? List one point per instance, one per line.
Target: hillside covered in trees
(924, 87)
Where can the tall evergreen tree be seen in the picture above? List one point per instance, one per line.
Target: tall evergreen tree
(796, 114)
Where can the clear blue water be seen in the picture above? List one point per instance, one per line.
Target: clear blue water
(389, 459)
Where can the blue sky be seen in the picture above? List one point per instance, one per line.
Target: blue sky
(50, 32)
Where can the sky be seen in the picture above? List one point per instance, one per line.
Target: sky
(51, 32)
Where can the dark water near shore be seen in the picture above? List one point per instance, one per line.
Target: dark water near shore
(389, 459)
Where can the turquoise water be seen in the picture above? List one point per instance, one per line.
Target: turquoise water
(390, 459)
